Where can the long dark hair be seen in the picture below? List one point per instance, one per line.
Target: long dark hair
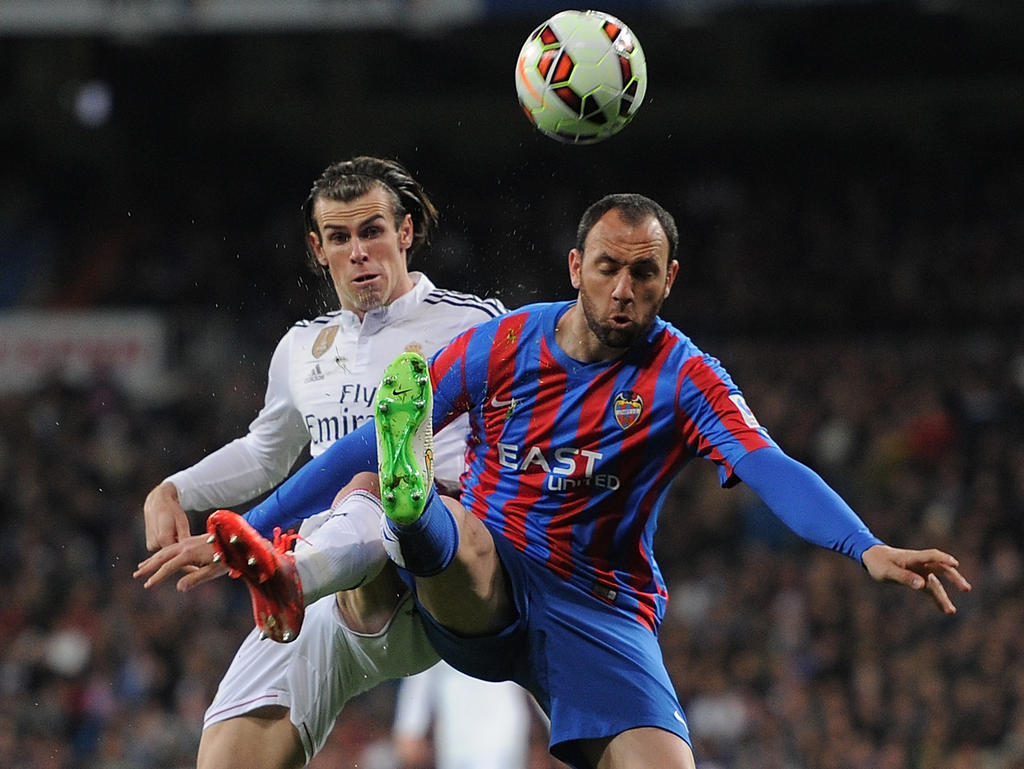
(350, 179)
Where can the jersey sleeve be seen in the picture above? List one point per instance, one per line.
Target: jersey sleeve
(716, 422)
(458, 381)
(312, 488)
(450, 441)
(256, 462)
(802, 500)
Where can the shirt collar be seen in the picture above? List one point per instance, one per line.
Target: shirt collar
(402, 307)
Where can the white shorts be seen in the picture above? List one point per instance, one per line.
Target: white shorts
(316, 674)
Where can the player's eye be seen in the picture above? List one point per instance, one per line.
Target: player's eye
(644, 271)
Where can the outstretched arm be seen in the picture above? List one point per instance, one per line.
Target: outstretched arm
(814, 511)
(312, 488)
(804, 502)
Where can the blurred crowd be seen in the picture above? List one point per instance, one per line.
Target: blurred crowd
(872, 317)
(788, 657)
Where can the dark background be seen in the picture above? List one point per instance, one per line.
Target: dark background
(757, 119)
(848, 179)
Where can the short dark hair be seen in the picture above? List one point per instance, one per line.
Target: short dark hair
(350, 179)
(634, 208)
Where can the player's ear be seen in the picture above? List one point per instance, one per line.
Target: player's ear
(670, 276)
(406, 231)
(575, 267)
(317, 249)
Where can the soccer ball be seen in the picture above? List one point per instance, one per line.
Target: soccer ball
(581, 76)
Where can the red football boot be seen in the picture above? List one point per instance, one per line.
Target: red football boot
(268, 569)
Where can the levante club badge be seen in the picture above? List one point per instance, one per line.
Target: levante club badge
(627, 408)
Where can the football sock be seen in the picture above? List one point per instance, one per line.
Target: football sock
(429, 543)
(345, 551)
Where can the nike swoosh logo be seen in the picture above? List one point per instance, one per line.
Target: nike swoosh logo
(679, 717)
(501, 404)
(402, 392)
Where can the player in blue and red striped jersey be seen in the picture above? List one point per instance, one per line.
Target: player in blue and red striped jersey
(581, 415)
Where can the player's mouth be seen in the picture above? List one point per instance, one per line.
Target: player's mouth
(361, 280)
(620, 320)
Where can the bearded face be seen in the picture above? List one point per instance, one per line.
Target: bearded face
(623, 277)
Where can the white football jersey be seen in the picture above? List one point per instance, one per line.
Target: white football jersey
(476, 724)
(323, 377)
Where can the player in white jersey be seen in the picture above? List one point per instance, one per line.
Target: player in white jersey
(278, 702)
(322, 379)
(436, 702)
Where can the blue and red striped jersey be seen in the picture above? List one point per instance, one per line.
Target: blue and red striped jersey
(571, 461)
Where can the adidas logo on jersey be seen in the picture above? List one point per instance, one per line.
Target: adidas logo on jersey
(315, 375)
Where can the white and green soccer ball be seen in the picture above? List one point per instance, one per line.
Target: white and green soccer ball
(581, 76)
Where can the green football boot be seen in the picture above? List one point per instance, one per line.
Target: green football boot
(403, 410)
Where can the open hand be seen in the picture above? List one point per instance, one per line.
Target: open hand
(193, 555)
(918, 570)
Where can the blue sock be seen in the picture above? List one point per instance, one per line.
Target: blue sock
(429, 543)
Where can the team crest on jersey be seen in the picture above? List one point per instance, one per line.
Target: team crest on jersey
(324, 340)
(628, 407)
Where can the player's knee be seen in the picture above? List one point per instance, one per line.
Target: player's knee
(366, 481)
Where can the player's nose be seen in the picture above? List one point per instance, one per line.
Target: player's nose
(358, 252)
(623, 291)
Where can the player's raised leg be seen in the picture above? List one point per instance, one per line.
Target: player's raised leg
(459, 578)
(268, 569)
(344, 553)
(405, 441)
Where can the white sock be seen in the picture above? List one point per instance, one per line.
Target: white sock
(345, 551)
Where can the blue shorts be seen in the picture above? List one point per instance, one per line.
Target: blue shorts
(593, 667)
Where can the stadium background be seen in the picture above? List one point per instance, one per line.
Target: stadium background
(849, 182)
